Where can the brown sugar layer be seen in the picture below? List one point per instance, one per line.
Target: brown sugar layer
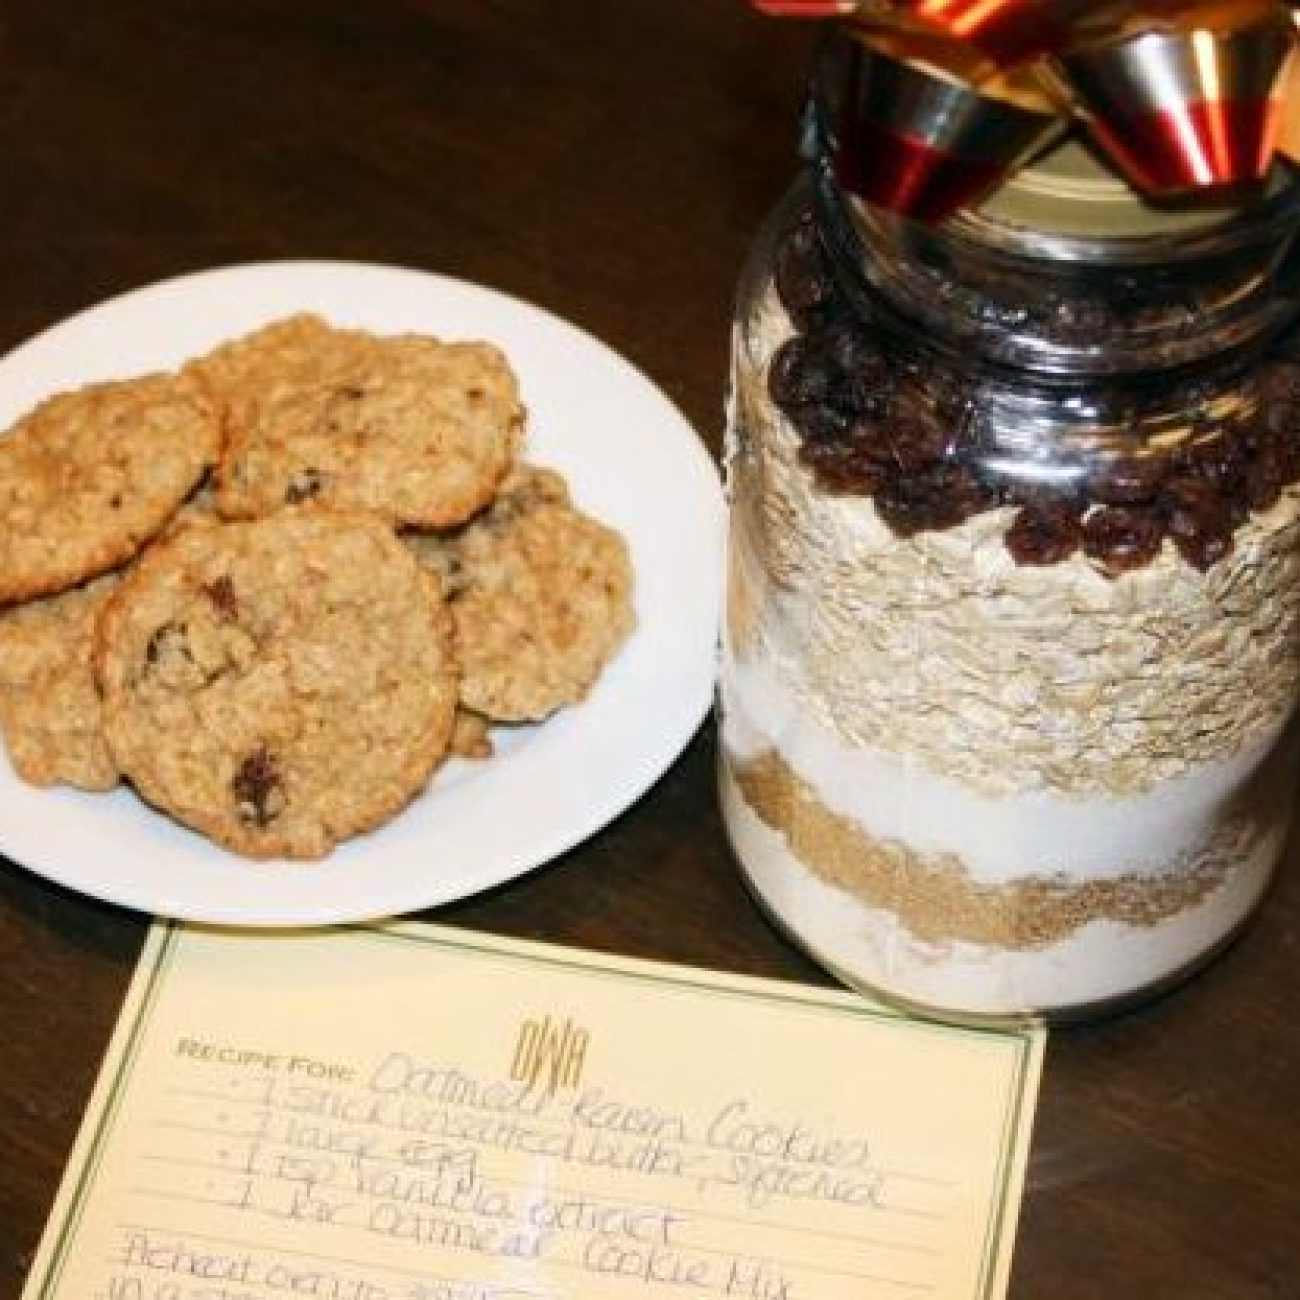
(936, 899)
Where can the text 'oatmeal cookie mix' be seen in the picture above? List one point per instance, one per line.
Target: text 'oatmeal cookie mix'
(1013, 625)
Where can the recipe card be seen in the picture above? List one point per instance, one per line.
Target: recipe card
(416, 1113)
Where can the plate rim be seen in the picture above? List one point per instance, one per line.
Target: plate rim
(636, 775)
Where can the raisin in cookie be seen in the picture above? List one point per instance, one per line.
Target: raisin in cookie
(541, 597)
(417, 430)
(279, 685)
(89, 476)
(49, 706)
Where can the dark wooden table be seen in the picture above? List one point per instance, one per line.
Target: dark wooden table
(608, 159)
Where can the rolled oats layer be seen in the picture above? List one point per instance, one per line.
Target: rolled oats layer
(1007, 677)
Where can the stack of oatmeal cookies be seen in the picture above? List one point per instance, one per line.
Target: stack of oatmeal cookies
(275, 589)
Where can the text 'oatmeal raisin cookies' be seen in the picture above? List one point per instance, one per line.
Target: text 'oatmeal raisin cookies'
(89, 476)
(419, 431)
(541, 596)
(279, 685)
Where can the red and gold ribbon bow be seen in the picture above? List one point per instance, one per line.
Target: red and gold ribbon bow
(944, 99)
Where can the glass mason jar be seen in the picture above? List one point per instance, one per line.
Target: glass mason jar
(1013, 621)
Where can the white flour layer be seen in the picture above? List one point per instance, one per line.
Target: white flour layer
(871, 949)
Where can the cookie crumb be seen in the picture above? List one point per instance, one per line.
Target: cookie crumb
(303, 486)
(221, 592)
(166, 641)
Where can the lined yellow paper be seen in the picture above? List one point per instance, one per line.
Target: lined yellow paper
(414, 1113)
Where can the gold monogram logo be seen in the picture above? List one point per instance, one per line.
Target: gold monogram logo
(548, 1055)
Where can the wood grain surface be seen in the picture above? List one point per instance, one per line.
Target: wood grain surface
(609, 160)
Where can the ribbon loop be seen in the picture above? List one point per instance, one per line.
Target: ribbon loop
(947, 98)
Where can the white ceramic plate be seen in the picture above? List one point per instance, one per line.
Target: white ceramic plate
(631, 460)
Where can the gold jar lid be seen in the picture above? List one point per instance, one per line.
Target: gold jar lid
(1070, 195)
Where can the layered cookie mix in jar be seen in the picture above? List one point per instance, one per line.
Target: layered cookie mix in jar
(1013, 625)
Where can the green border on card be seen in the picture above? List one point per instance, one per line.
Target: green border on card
(1012, 1112)
(112, 1106)
(524, 952)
